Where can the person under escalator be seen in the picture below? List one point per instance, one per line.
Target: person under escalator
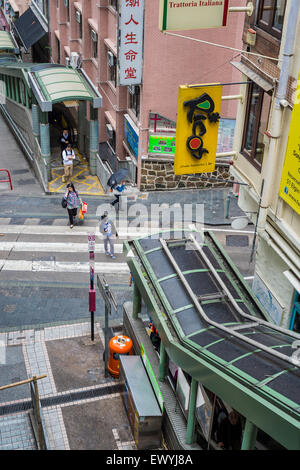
(229, 431)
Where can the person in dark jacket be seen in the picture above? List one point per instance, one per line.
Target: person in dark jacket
(119, 189)
(65, 140)
(229, 432)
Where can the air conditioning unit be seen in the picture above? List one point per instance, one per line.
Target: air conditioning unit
(78, 16)
(110, 59)
(74, 59)
(94, 35)
(109, 131)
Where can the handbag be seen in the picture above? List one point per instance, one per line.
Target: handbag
(64, 202)
(80, 214)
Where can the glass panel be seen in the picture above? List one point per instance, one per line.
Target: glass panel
(263, 125)
(266, 11)
(253, 112)
(279, 14)
(296, 326)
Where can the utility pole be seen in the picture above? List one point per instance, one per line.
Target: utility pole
(92, 292)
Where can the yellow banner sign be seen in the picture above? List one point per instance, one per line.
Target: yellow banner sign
(289, 189)
(198, 115)
(177, 15)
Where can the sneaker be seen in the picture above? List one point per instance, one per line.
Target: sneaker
(113, 257)
(107, 253)
(71, 226)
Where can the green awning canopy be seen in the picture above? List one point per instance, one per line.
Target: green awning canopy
(6, 42)
(55, 84)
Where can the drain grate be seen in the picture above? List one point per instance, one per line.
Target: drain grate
(62, 399)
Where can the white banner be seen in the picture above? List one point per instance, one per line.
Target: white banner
(131, 26)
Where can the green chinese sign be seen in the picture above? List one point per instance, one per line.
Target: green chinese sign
(162, 145)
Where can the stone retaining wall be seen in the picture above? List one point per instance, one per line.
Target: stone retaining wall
(158, 175)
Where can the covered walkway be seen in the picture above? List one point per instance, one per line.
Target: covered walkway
(213, 329)
(33, 93)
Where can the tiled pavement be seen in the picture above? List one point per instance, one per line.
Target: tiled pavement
(64, 430)
(84, 182)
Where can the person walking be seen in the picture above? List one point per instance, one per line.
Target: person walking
(73, 202)
(68, 157)
(65, 139)
(120, 188)
(108, 230)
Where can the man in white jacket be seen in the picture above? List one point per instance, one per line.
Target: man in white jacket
(108, 230)
(68, 157)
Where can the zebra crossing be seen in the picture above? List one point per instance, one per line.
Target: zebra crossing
(43, 248)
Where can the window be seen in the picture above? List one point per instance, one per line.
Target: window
(111, 137)
(134, 99)
(270, 16)
(114, 3)
(112, 68)
(58, 50)
(78, 18)
(94, 37)
(256, 123)
(295, 318)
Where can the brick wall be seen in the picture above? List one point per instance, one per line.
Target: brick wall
(158, 175)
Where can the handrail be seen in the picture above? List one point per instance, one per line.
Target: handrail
(219, 326)
(9, 179)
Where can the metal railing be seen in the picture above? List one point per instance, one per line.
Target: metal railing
(8, 180)
(226, 293)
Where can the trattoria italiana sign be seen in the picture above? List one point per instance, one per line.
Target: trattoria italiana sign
(177, 15)
(130, 47)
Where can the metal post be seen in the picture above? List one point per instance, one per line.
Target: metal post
(249, 437)
(190, 434)
(106, 331)
(38, 413)
(137, 301)
(227, 206)
(163, 363)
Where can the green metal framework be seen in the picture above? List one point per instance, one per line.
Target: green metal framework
(266, 409)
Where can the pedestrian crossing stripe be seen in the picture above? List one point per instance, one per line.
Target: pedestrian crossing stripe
(62, 266)
(54, 247)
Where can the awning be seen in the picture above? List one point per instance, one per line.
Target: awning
(54, 83)
(30, 28)
(261, 82)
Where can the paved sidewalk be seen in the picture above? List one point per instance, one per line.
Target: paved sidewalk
(82, 409)
(13, 159)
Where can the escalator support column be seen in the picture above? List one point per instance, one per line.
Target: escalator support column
(45, 146)
(94, 140)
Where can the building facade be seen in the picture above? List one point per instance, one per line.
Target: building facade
(134, 118)
(267, 161)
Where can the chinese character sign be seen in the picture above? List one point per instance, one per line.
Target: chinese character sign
(131, 25)
(198, 115)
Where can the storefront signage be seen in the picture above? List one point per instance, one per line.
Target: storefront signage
(198, 115)
(159, 124)
(161, 145)
(289, 189)
(130, 50)
(131, 134)
(177, 15)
